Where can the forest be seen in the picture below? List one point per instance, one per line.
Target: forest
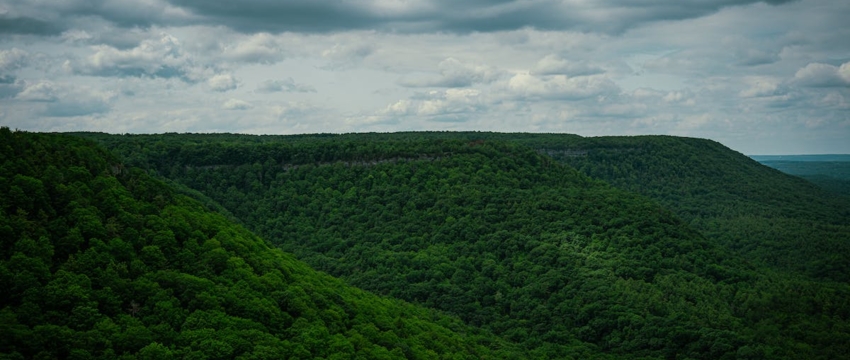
(415, 245)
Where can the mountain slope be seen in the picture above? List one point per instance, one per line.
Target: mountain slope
(759, 212)
(103, 261)
(505, 238)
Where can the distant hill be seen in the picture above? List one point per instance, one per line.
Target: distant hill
(802, 158)
(830, 172)
(101, 261)
(493, 228)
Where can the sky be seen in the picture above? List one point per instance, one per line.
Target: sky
(762, 77)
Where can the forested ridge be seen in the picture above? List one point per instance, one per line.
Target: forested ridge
(767, 216)
(101, 260)
(519, 235)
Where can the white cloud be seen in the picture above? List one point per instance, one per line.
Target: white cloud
(262, 48)
(760, 86)
(823, 75)
(562, 87)
(285, 85)
(44, 91)
(449, 105)
(555, 65)
(236, 104)
(158, 57)
(223, 82)
(346, 55)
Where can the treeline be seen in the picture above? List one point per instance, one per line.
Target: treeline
(99, 260)
(514, 242)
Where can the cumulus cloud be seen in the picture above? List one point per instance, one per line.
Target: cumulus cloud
(261, 48)
(455, 73)
(236, 104)
(44, 91)
(760, 86)
(450, 105)
(161, 57)
(105, 34)
(560, 87)
(223, 82)
(345, 55)
(12, 59)
(63, 100)
(823, 75)
(285, 85)
(555, 65)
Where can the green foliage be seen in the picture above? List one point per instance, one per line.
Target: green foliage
(103, 261)
(478, 225)
(760, 213)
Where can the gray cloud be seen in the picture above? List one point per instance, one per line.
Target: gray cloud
(12, 59)
(27, 25)
(321, 16)
(285, 85)
(454, 73)
(10, 86)
(612, 16)
(44, 91)
(62, 100)
(754, 57)
(54, 17)
(105, 34)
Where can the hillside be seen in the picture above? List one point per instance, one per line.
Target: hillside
(485, 227)
(99, 260)
(761, 213)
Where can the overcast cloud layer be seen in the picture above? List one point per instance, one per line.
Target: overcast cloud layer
(763, 77)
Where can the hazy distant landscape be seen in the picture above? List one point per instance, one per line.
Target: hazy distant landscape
(831, 172)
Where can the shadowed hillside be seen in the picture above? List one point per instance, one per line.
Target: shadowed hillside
(99, 260)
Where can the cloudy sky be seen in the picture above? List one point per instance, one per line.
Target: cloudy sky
(762, 77)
